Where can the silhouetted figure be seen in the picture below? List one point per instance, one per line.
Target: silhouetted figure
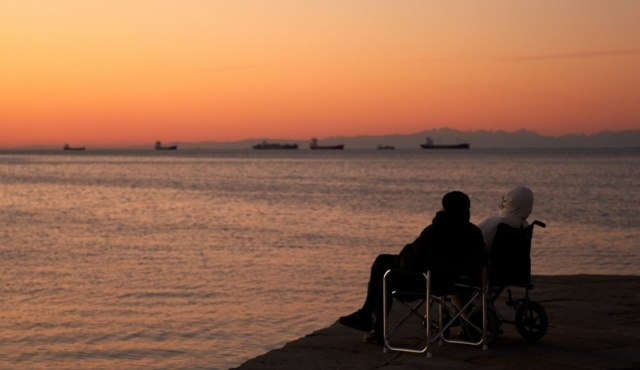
(447, 248)
(515, 206)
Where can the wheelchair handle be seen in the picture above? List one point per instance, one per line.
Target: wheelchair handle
(539, 223)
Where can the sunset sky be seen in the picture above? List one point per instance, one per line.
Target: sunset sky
(127, 72)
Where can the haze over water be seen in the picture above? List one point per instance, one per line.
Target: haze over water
(204, 259)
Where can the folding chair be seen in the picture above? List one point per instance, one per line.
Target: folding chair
(403, 287)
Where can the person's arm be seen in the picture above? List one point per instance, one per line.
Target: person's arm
(411, 255)
(488, 228)
(404, 258)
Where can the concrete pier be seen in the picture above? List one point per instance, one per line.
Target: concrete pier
(594, 323)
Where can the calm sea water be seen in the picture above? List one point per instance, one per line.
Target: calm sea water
(204, 259)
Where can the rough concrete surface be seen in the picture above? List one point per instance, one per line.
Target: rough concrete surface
(594, 323)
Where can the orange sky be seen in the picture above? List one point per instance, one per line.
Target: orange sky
(120, 72)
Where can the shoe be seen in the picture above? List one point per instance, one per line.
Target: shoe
(373, 337)
(357, 320)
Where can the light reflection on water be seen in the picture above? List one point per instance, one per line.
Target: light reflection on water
(205, 259)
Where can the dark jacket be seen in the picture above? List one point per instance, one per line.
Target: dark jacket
(449, 247)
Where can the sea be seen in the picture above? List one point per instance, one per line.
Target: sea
(204, 259)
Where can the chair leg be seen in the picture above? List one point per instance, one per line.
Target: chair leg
(442, 326)
(387, 333)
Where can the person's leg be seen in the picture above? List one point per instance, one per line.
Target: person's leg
(375, 297)
(362, 319)
(459, 300)
(374, 290)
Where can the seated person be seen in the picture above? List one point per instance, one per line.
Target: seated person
(516, 205)
(438, 248)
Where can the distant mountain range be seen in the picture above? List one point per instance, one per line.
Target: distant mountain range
(477, 139)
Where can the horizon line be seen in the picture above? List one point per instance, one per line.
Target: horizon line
(151, 145)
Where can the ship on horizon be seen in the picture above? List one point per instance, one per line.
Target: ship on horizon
(313, 145)
(266, 145)
(160, 147)
(67, 147)
(431, 145)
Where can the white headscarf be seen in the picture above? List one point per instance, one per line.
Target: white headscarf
(517, 202)
(515, 207)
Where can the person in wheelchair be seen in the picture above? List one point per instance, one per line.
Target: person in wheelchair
(515, 207)
(444, 247)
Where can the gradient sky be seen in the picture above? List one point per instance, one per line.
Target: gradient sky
(123, 72)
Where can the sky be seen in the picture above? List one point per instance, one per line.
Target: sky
(130, 72)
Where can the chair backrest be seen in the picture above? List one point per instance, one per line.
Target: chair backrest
(510, 260)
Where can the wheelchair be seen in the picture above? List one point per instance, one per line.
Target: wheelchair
(509, 265)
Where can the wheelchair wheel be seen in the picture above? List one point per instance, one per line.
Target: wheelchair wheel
(493, 325)
(531, 321)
